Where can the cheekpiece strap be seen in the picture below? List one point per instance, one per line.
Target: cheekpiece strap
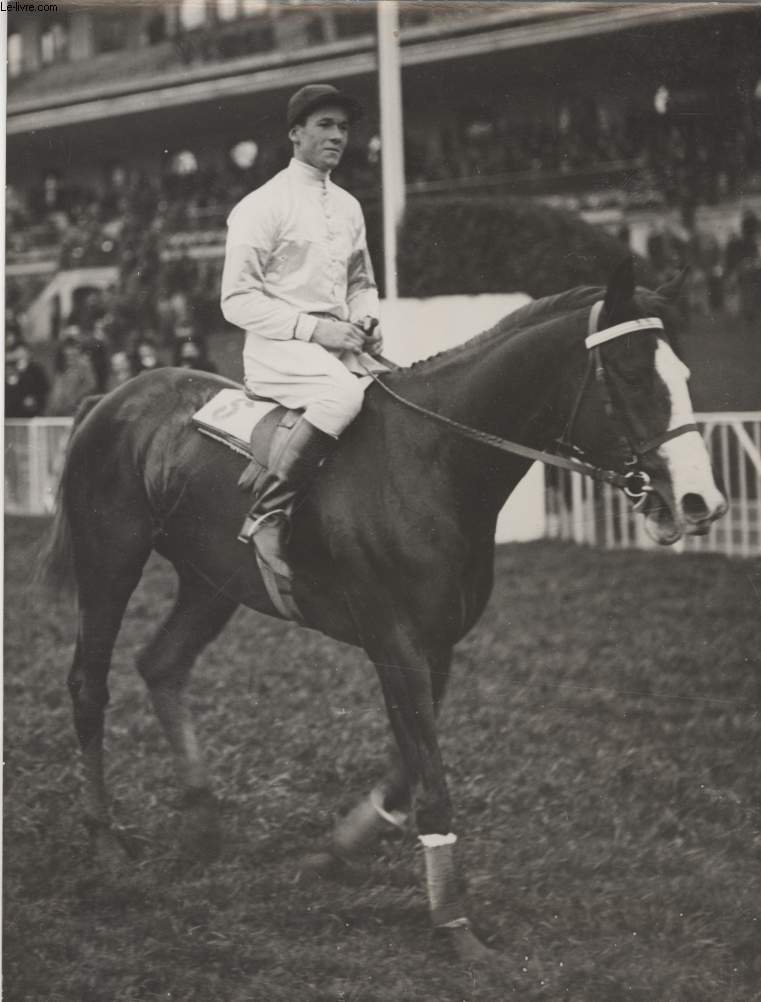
(594, 317)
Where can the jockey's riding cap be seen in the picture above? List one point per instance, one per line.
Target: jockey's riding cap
(314, 96)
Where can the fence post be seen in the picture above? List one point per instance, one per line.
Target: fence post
(577, 508)
(35, 468)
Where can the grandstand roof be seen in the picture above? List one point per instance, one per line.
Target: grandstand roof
(138, 81)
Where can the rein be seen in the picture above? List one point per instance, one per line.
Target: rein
(635, 483)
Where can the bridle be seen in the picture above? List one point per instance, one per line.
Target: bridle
(638, 484)
(633, 481)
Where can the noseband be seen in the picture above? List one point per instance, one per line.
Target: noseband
(634, 482)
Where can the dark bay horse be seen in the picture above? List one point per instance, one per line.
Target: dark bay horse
(392, 548)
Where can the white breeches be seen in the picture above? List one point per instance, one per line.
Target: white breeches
(305, 376)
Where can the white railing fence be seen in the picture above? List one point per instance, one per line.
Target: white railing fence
(34, 455)
(578, 509)
(562, 506)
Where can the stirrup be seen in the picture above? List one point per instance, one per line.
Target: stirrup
(252, 525)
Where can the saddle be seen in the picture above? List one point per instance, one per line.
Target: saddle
(251, 425)
(265, 441)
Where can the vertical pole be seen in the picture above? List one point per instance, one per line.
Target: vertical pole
(742, 468)
(577, 508)
(392, 142)
(35, 460)
(728, 522)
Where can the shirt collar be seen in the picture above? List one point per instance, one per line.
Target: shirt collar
(308, 175)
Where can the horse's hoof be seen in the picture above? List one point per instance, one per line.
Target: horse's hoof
(327, 865)
(468, 948)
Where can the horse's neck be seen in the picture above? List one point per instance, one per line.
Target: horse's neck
(519, 387)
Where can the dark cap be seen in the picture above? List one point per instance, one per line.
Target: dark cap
(314, 96)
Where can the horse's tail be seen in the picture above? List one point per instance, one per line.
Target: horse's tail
(55, 564)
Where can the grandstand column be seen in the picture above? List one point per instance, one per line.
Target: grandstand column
(29, 29)
(81, 44)
(392, 136)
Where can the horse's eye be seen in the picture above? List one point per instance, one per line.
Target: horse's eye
(636, 375)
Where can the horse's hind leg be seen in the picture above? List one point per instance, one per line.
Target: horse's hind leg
(105, 586)
(198, 615)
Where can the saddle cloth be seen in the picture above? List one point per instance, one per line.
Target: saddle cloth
(254, 428)
(243, 423)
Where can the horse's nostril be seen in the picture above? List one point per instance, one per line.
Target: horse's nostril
(694, 507)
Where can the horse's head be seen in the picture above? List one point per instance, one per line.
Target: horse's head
(644, 412)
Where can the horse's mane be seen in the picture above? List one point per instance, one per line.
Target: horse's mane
(536, 312)
(533, 313)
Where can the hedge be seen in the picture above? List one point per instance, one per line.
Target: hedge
(459, 245)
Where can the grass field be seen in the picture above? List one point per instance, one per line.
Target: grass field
(603, 739)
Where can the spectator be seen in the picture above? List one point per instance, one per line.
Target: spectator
(191, 354)
(145, 356)
(749, 287)
(743, 247)
(13, 335)
(121, 370)
(97, 348)
(712, 263)
(74, 379)
(743, 270)
(26, 384)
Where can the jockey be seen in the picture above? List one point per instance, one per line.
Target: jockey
(298, 279)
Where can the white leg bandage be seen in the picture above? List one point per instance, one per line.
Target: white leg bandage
(444, 893)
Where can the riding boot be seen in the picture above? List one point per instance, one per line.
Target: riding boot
(267, 523)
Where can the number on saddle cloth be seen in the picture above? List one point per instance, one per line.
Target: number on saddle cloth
(251, 425)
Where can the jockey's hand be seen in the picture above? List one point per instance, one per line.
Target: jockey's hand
(338, 335)
(373, 336)
(374, 342)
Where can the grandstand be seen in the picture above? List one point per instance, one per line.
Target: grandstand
(120, 114)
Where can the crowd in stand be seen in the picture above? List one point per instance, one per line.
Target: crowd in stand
(86, 223)
(157, 312)
(721, 279)
(163, 304)
(680, 162)
(86, 361)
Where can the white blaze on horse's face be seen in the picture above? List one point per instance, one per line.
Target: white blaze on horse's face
(695, 500)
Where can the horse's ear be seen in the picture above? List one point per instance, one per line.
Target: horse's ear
(673, 288)
(620, 291)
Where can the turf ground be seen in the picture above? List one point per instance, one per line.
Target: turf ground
(602, 736)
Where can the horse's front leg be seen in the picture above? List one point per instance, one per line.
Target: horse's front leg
(406, 672)
(387, 807)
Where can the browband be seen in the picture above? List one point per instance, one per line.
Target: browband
(595, 337)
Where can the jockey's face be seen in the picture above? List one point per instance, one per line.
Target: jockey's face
(321, 140)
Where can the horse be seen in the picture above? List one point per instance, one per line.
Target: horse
(392, 546)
